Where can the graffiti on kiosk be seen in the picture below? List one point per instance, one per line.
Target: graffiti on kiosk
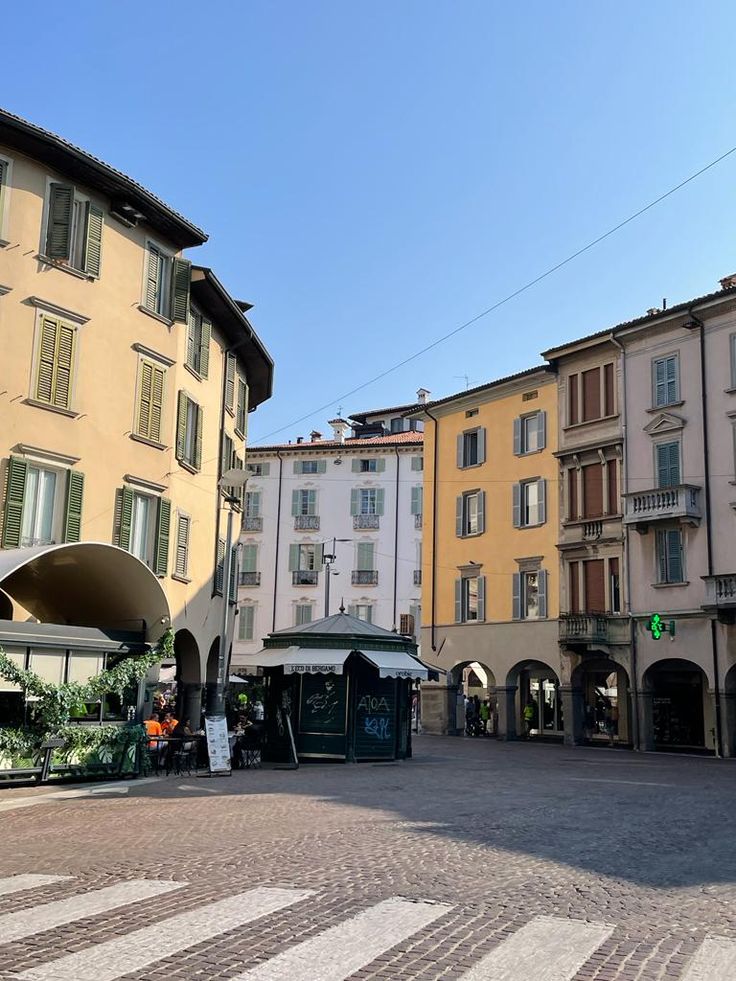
(379, 727)
(374, 703)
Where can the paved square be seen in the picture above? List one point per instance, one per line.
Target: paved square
(476, 860)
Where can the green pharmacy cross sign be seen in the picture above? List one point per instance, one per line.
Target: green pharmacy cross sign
(657, 626)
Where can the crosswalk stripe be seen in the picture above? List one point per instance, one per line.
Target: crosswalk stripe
(714, 960)
(17, 883)
(546, 949)
(344, 949)
(112, 959)
(27, 922)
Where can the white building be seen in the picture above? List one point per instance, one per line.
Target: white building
(348, 508)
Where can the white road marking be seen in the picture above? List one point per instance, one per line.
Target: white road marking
(632, 783)
(546, 949)
(125, 955)
(344, 949)
(17, 883)
(714, 960)
(27, 922)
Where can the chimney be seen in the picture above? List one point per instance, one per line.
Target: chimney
(339, 427)
(728, 281)
(300, 439)
(314, 436)
(422, 395)
(652, 310)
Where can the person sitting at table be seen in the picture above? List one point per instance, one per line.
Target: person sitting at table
(183, 730)
(153, 728)
(169, 724)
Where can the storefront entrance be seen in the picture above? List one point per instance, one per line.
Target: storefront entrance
(677, 690)
(540, 705)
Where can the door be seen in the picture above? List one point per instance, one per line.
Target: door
(595, 586)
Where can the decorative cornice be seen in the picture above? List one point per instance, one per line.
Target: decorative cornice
(149, 485)
(49, 455)
(39, 303)
(150, 353)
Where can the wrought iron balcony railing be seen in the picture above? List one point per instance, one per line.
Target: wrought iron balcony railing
(365, 577)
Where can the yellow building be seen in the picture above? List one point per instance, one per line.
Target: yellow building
(126, 378)
(490, 563)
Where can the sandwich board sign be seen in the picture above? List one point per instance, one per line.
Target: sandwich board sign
(218, 745)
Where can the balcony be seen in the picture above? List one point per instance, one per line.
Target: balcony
(249, 579)
(365, 577)
(305, 577)
(583, 629)
(720, 595)
(417, 577)
(585, 531)
(418, 520)
(252, 523)
(306, 522)
(680, 503)
(365, 522)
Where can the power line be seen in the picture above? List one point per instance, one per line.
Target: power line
(506, 299)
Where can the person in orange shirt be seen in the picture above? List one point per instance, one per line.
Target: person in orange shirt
(153, 728)
(169, 724)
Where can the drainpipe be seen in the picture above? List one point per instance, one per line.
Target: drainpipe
(434, 531)
(635, 720)
(396, 537)
(696, 322)
(278, 537)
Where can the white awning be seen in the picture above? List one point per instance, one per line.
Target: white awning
(297, 660)
(396, 664)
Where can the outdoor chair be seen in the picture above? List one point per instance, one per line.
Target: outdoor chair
(250, 744)
(184, 757)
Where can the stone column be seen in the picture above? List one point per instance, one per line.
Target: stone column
(646, 720)
(505, 696)
(191, 703)
(573, 714)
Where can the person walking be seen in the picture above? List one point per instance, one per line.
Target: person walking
(485, 714)
(528, 718)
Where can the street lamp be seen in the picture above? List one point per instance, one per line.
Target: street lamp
(329, 559)
(230, 481)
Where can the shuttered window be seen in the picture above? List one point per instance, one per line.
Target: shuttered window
(471, 447)
(593, 491)
(470, 599)
(302, 614)
(167, 284)
(142, 526)
(574, 574)
(366, 557)
(230, 366)
(613, 503)
(529, 595)
(530, 433)
(572, 400)
(591, 394)
(42, 506)
(189, 432)
(199, 336)
(55, 362)
(529, 505)
(615, 585)
(665, 380)
(595, 586)
(572, 495)
(608, 395)
(151, 381)
(241, 413)
(417, 500)
(74, 229)
(670, 555)
(220, 566)
(183, 530)
(668, 464)
(246, 622)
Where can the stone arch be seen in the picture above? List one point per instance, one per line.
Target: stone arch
(188, 677)
(601, 695)
(535, 684)
(678, 706)
(469, 678)
(6, 606)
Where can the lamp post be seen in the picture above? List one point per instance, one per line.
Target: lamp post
(329, 560)
(230, 481)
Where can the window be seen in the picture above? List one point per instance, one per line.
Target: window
(530, 433)
(189, 432)
(471, 448)
(181, 560)
(529, 598)
(666, 380)
(417, 500)
(73, 230)
(572, 495)
(613, 502)
(363, 611)
(248, 562)
(258, 469)
(668, 464)
(590, 394)
(43, 505)
(397, 425)
(302, 613)
(371, 465)
(366, 556)
(529, 503)
(246, 622)
(167, 283)
(305, 562)
(593, 491)
(151, 381)
(670, 555)
(142, 527)
(199, 335)
(470, 599)
(252, 504)
(470, 514)
(310, 466)
(55, 362)
(615, 585)
(230, 377)
(368, 500)
(417, 463)
(241, 413)
(304, 502)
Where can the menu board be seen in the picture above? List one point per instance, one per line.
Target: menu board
(218, 745)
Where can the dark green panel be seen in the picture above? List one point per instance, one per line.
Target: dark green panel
(322, 715)
(375, 718)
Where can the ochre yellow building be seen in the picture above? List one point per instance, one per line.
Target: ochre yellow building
(126, 378)
(490, 565)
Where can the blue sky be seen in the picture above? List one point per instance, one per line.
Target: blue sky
(373, 174)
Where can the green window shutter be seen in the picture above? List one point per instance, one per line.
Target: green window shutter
(319, 556)
(416, 500)
(145, 399)
(220, 567)
(416, 463)
(250, 558)
(64, 365)
(204, 350)
(157, 402)
(241, 419)
(674, 556)
(229, 381)
(15, 488)
(298, 466)
(380, 498)
(245, 622)
(153, 273)
(181, 278)
(46, 360)
(59, 234)
(293, 558)
(356, 466)
(312, 502)
(181, 426)
(194, 327)
(93, 240)
(458, 601)
(197, 462)
(321, 466)
(163, 531)
(126, 518)
(73, 510)
(365, 557)
(295, 501)
(181, 561)
(354, 501)
(380, 465)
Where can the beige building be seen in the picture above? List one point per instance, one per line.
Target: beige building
(126, 381)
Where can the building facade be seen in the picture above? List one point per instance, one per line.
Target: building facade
(126, 380)
(490, 571)
(342, 514)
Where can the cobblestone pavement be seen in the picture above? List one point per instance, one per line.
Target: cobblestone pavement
(488, 839)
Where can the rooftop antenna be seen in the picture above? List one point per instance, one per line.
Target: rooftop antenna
(339, 412)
